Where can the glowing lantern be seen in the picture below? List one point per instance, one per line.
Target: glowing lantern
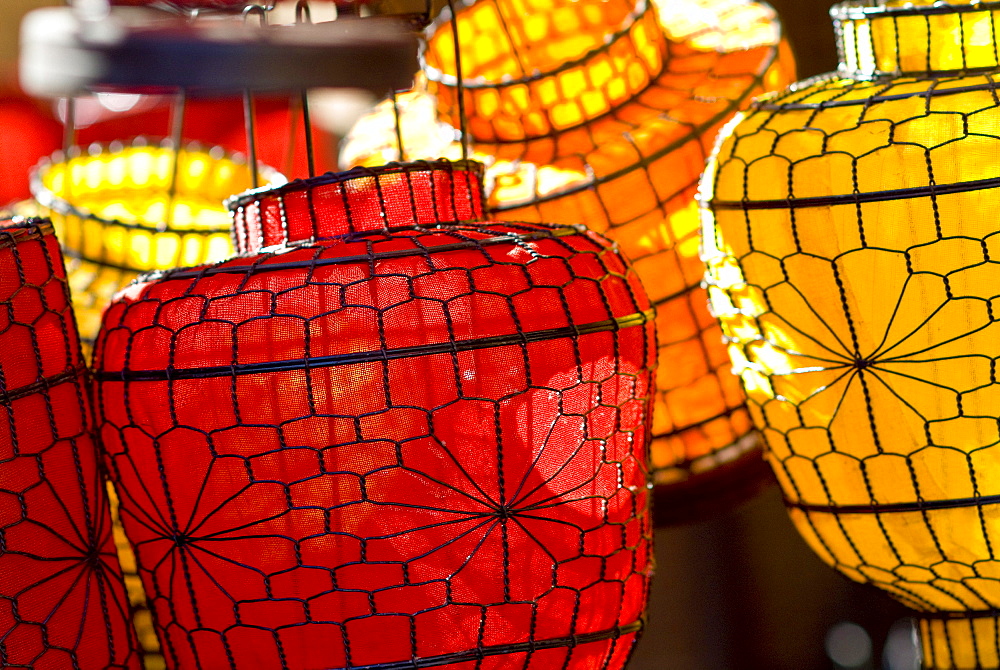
(117, 214)
(593, 113)
(62, 599)
(388, 435)
(851, 239)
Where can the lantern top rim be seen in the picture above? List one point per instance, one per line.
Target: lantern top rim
(473, 167)
(890, 38)
(855, 10)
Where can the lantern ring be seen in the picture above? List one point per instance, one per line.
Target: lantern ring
(765, 104)
(851, 11)
(265, 266)
(450, 347)
(880, 508)
(7, 396)
(475, 168)
(504, 649)
(959, 616)
(930, 190)
(29, 228)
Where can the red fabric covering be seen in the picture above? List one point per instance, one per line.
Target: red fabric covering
(27, 134)
(62, 600)
(398, 443)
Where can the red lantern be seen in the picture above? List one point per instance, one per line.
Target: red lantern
(62, 599)
(389, 435)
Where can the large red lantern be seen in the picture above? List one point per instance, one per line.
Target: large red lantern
(389, 435)
(62, 599)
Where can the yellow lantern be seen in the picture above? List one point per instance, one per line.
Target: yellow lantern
(603, 114)
(851, 234)
(123, 210)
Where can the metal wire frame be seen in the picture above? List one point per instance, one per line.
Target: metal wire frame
(579, 299)
(862, 386)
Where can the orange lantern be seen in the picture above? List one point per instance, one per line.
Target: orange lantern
(603, 113)
(852, 245)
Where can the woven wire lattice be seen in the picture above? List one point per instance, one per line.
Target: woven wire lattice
(387, 436)
(62, 598)
(852, 246)
(614, 136)
(121, 210)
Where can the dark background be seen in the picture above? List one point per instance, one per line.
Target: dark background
(742, 591)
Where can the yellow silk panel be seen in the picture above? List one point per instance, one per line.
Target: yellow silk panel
(851, 234)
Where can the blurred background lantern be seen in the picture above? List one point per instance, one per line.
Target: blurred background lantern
(604, 113)
(122, 210)
(852, 245)
(391, 434)
(62, 598)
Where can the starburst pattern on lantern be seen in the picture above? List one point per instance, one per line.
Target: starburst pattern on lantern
(853, 262)
(426, 441)
(62, 600)
(607, 121)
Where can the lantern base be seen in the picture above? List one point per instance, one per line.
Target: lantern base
(961, 641)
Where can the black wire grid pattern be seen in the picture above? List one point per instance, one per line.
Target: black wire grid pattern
(853, 258)
(630, 173)
(417, 447)
(62, 599)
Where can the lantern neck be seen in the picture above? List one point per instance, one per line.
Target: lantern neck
(423, 193)
(916, 37)
(528, 74)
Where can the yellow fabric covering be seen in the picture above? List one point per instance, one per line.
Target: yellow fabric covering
(852, 241)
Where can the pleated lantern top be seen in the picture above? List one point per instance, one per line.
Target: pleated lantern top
(598, 113)
(388, 434)
(121, 210)
(62, 597)
(851, 236)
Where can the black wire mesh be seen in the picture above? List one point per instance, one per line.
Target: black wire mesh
(605, 116)
(400, 438)
(852, 243)
(62, 599)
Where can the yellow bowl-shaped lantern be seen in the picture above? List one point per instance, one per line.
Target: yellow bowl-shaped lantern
(853, 246)
(123, 210)
(603, 114)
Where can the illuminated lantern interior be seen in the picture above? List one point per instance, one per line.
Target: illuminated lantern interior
(852, 244)
(388, 434)
(62, 598)
(603, 114)
(117, 214)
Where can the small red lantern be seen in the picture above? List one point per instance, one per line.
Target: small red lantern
(389, 435)
(62, 598)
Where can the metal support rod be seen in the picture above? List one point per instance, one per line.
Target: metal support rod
(248, 121)
(460, 85)
(303, 14)
(178, 112)
(399, 128)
